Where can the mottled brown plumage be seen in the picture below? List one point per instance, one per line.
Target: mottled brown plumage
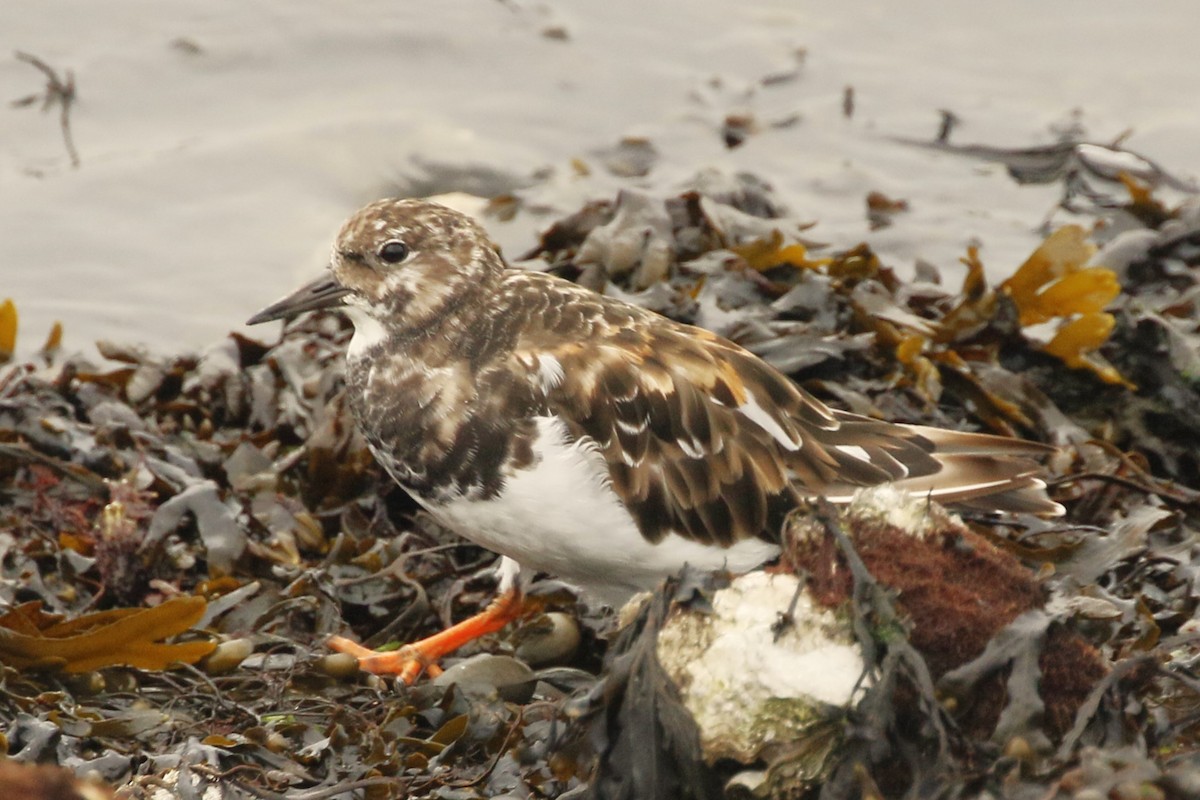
(465, 376)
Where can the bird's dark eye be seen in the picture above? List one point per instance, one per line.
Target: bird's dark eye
(393, 252)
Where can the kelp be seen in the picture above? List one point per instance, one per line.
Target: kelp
(234, 480)
(1055, 284)
(8, 330)
(33, 639)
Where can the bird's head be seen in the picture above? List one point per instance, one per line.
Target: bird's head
(398, 266)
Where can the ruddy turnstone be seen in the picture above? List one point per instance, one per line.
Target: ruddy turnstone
(579, 435)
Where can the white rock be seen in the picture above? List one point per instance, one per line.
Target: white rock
(744, 688)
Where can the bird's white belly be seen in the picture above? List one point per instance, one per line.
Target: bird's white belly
(562, 517)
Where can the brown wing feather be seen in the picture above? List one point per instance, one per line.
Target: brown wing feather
(704, 439)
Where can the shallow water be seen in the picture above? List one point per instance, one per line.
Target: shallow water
(222, 144)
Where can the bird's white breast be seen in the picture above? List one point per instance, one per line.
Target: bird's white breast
(561, 516)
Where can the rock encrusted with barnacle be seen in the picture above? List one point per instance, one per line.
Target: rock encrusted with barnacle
(775, 673)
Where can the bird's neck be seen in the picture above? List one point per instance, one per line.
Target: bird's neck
(458, 328)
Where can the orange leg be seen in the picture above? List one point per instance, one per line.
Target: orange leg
(410, 661)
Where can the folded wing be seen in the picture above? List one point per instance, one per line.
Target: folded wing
(703, 439)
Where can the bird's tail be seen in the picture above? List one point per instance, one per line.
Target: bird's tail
(985, 472)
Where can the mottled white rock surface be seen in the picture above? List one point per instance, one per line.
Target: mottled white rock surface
(744, 688)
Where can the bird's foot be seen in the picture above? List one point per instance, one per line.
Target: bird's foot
(411, 661)
(406, 663)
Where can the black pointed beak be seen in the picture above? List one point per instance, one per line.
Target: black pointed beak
(324, 292)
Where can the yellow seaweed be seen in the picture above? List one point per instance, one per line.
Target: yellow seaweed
(1076, 341)
(1053, 283)
(8, 330)
(764, 254)
(31, 639)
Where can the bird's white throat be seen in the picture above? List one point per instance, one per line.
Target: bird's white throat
(368, 332)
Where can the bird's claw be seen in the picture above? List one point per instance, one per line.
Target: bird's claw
(406, 663)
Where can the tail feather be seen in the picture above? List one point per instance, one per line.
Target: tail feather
(986, 483)
(969, 470)
(963, 442)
